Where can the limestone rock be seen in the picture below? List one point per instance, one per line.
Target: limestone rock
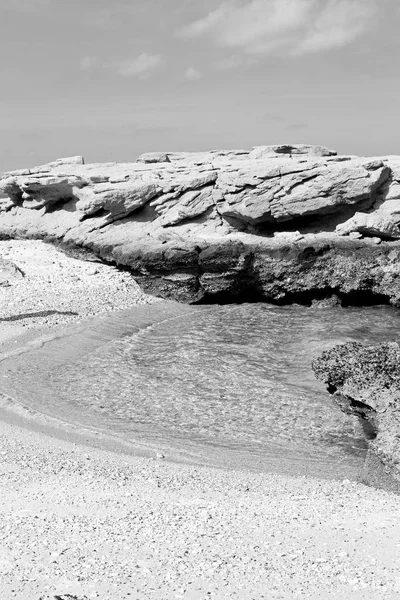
(365, 381)
(71, 160)
(260, 151)
(233, 222)
(383, 218)
(153, 157)
(118, 199)
(281, 190)
(8, 272)
(191, 158)
(380, 223)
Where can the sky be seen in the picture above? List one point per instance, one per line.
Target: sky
(110, 79)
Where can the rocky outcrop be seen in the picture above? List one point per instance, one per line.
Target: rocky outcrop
(365, 381)
(384, 219)
(279, 223)
(260, 151)
(8, 272)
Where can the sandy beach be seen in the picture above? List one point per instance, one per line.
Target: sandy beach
(58, 289)
(87, 521)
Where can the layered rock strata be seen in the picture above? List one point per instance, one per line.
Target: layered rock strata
(365, 381)
(277, 223)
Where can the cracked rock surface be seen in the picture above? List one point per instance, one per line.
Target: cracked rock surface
(195, 226)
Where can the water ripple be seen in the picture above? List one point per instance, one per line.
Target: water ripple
(234, 378)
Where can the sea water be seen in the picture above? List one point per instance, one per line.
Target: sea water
(227, 385)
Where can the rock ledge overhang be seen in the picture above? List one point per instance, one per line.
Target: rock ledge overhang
(276, 223)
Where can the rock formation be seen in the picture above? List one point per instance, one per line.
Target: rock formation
(365, 381)
(278, 223)
(8, 272)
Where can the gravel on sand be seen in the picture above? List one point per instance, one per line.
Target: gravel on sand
(58, 289)
(93, 523)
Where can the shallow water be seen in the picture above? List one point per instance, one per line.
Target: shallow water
(228, 385)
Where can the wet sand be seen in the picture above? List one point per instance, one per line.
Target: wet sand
(82, 518)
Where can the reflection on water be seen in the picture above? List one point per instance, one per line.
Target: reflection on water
(234, 381)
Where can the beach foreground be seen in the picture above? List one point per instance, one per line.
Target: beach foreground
(95, 523)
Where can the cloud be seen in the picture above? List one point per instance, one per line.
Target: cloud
(265, 27)
(140, 66)
(206, 24)
(232, 62)
(192, 74)
(340, 23)
(253, 24)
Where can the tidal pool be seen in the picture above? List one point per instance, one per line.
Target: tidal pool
(226, 385)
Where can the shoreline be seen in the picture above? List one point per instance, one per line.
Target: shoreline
(100, 524)
(57, 289)
(58, 345)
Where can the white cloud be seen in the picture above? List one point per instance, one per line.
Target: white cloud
(192, 74)
(207, 23)
(141, 66)
(263, 27)
(341, 22)
(251, 24)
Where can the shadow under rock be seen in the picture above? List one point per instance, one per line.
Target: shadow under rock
(41, 313)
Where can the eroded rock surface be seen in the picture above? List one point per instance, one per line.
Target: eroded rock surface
(277, 222)
(365, 381)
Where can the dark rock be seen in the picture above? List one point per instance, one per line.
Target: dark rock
(365, 381)
(63, 597)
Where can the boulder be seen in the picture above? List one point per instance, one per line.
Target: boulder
(9, 272)
(383, 218)
(154, 157)
(365, 381)
(284, 190)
